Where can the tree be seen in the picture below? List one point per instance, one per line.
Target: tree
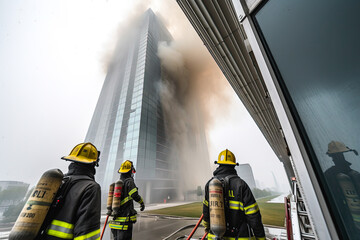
(199, 191)
(259, 193)
(11, 214)
(14, 193)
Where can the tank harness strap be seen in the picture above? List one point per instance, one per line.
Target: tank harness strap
(64, 189)
(226, 187)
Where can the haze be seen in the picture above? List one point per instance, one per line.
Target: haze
(53, 58)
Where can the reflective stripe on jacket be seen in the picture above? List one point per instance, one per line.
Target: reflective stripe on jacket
(64, 230)
(122, 223)
(123, 227)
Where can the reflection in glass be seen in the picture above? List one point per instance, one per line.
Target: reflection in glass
(317, 57)
(345, 183)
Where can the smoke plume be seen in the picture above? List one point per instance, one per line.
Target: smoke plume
(192, 87)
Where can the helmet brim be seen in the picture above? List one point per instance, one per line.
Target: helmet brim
(78, 159)
(124, 171)
(227, 163)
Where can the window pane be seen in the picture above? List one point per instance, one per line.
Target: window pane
(315, 46)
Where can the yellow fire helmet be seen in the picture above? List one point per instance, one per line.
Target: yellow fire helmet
(84, 153)
(126, 167)
(226, 157)
(339, 147)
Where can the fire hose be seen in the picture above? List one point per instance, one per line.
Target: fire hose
(192, 232)
(196, 226)
(104, 227)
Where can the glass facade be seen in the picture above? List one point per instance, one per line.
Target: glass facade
(128, 122)
(315, 51)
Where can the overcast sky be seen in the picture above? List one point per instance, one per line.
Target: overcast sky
(52, 58)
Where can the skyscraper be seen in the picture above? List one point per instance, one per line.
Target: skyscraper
(129, 122)
(246, 173)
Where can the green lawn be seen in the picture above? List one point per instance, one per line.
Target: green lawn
(187, 210)
(272, 213)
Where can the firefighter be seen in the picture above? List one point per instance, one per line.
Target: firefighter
(242, 214)
(345, 185)
(78, 215)
(122, 223)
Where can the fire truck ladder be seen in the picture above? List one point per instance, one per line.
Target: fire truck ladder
(297, 219)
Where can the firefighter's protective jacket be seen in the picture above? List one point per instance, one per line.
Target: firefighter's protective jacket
(127, 213)
(240, 212)
(79, 215)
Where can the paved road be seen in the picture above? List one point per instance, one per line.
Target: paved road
(152, 227)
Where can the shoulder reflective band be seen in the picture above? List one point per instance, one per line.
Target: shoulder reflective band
(212, 237)
(251, 209)
(118, 227)
(206, 203)
(60, 229)
(94, 235)
(236, 205)
(132, 191)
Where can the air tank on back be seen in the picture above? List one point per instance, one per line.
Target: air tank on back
(110, 199)
(117, 196)
(216, 207)
(37, 206)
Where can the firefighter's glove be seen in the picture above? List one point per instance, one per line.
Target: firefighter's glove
(142, 207)
(115, 215)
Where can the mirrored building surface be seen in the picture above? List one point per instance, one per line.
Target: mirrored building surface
(128, 122)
